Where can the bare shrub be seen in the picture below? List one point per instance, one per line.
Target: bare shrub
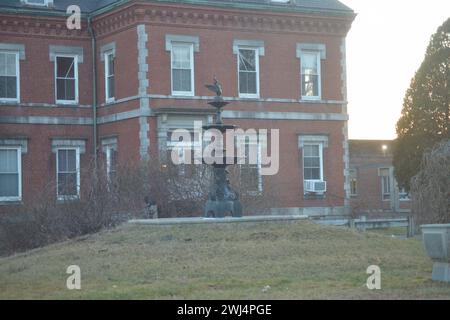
(430, 188)
(178, 191)
(44, 220)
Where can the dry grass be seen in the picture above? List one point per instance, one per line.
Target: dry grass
(298, 260)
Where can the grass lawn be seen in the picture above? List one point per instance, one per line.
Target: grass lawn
(276, 260)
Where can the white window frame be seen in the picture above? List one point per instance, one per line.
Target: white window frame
(174, 45)
(77, 164)
(248, 144)
(249, 95)
(109, 149)
(19, 169)
(67, 102)
(319, 73)
(109, 99)
(17, 77)
(320, 144)
(383, 193)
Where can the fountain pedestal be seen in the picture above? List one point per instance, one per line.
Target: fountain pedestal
(222, 199)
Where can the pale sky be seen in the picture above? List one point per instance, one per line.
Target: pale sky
(385, 46)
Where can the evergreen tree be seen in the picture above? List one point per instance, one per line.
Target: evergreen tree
(425, 118)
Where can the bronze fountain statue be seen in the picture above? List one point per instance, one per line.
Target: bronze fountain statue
(222, 200)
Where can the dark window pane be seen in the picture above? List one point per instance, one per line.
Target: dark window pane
(247, 82)
(8, 87)
(65, 67)
(9, 185)
(307, 172)
(247, 60)
(8, 161)
(65, 89)
(67, 161)
(111, 64)
(111, 87)
(67, 184)
(315, 172)
(181, 80)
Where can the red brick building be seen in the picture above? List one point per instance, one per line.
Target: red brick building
(136, 70)
(373, 187)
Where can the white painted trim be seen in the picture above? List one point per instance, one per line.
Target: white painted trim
(320, 144)
(19, 171)
(15, 100)
(109, 99)
(109, 148)
(259, 165)
(248, 95)
(319, 73)
(172, 38)
(192, 65)
(75, 64)
(256, 44)
(77, 166)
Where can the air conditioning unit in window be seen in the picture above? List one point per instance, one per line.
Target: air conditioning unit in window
(315, 186)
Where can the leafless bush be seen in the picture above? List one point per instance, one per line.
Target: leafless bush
(178, 191)
(430, 188)
(44, 220)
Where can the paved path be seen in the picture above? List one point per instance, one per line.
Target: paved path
(199, 220)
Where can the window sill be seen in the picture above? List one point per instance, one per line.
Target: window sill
(5, 100)
(62, 199)
(183, 94)
(314, 196)
(10, 202)
(66, 103)
(249, 96)
(307, 99)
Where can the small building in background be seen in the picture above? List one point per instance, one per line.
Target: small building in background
(373, 188)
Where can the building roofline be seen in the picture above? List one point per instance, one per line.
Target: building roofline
(265, 7)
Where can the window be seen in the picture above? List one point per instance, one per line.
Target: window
(248, 70)
(385, 184)
(250, 172)
(66, 71)
(109, 77)
(182, 69)
(403, 195)
(310, 75)
(10, 174)
(39, 2)
(353, 175)
(111, 163)
(68, 173)
(187, 151)
(9, 76)
(313, 162)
